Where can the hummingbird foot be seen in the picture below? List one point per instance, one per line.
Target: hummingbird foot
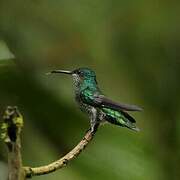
(94, 120)
(94, 128)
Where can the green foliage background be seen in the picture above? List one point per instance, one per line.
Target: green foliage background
(134, 47)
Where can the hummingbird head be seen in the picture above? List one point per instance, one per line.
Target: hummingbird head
(84, 73)
(79, 75)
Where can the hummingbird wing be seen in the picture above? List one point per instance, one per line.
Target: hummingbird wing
(96, 99)
(106, 102)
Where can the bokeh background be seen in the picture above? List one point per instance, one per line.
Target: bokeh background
(134, 47)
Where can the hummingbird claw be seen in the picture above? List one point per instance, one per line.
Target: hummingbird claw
(94, 128)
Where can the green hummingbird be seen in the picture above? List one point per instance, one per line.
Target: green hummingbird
(99, 108)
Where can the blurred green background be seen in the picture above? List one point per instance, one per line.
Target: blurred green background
(134, 47)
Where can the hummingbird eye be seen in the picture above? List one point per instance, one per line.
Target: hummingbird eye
(76, 71)
(80, 73)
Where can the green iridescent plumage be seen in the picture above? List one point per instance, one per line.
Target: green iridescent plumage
(119, 118)
(99, 108)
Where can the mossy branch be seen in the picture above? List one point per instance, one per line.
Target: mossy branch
(11, 130)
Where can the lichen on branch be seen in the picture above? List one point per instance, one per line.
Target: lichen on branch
(11, 129)
(12, 124)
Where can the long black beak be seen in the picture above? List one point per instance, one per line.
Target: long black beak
(60, 71)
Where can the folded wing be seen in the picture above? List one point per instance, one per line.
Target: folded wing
(105, 102)
(96, 99)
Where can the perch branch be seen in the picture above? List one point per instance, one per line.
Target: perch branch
(36, 171)
(11, 129)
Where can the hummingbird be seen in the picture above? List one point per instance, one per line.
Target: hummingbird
(92, 101)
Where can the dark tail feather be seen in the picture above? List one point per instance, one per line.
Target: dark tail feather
(123, 121)
(133, 127)
(126, 115)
